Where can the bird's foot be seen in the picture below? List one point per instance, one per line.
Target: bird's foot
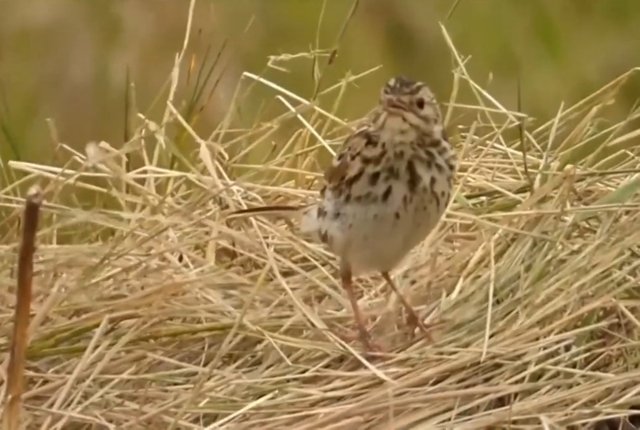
(415, 322)
(364, 337)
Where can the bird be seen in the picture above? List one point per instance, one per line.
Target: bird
(386, 189)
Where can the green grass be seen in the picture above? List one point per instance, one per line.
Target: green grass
(558, 50)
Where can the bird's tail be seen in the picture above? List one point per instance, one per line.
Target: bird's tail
(277, 210)
(305, 215)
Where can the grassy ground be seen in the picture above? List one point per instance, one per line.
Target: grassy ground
(150, 310)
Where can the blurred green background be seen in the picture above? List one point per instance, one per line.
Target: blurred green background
(67, 59)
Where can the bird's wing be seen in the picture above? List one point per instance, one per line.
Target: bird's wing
(360, 148)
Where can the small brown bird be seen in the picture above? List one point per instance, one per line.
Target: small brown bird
(385, 191)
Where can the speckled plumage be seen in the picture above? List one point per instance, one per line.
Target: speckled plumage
(387, 188)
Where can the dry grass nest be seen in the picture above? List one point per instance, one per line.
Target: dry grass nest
(151, 310)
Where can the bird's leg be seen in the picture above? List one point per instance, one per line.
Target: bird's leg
(363, 334)
(413, 320)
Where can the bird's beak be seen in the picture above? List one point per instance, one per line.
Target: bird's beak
(392, 104)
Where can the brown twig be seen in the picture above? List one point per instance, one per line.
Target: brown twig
(15, 382)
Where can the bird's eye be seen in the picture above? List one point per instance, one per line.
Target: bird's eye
(420, 103)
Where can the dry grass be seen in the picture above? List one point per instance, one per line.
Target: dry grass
(151, 311)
